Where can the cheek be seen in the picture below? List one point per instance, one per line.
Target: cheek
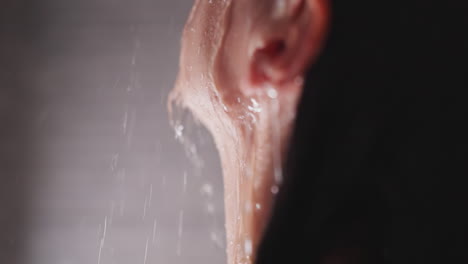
(197, 100)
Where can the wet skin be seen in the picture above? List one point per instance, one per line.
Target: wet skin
(241, 67)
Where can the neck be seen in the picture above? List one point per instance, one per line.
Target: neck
(251, 161)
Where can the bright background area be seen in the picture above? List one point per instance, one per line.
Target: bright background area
(90, 171)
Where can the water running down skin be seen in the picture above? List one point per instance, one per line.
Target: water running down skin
(241, 67)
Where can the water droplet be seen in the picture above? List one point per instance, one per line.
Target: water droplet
(248, 206)
(146, 251)
(216, 239)
(253, 120)
(103, 238)
(248, 247)
(207, 189)
(181, 225)
(299, 80)
(179, 130)
(145, 205)
(185, 182)
(280, 9)
(114, 161)
(125, 122)
(274, 189)
(255, 107)
(155, 224)
(278, 174)
(210, 208)
(272, 93)
(258, 206)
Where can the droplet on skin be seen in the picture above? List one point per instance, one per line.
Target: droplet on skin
(257, 184)
(299, 80)
(248, 173)
(248, 207)
(253, 119)
(280, 9)
(258, 206)
(274, 189)
(248, 247)
(278, 175)
(255, 107)
(272, 93)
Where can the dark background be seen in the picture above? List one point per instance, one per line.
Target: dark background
(88, 160)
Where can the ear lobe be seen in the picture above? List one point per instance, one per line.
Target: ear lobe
(290, 43)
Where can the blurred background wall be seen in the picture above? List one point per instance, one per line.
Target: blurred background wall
(90, 170)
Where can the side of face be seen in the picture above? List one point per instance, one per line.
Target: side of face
(241, 61)
(235, 50)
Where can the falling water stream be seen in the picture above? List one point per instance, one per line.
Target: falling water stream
(121, 186)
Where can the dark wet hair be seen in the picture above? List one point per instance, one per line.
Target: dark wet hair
(377, 161)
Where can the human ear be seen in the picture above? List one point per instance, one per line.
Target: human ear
(284, 45)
